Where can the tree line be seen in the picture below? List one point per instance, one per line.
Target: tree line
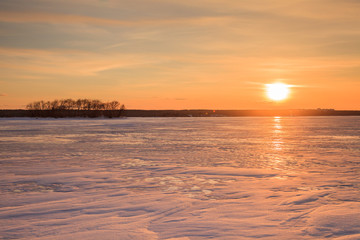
(75, 108)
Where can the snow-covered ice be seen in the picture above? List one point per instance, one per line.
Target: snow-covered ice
(180, 178)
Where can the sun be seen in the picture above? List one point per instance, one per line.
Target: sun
(277, 91)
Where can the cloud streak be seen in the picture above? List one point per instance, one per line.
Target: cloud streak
(55, 18)
(70, 62)
(85, 63)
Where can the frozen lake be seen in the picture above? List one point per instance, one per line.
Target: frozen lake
(180, 178)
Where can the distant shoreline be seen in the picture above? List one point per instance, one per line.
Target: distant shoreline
(180, 113)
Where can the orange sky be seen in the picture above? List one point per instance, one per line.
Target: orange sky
(156, 54)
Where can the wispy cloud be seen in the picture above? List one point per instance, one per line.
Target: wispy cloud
(69, 62)
(202, 67)
(28, 17)
(3, 94)
(56, 18)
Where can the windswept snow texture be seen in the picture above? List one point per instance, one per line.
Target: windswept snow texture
(180, 178)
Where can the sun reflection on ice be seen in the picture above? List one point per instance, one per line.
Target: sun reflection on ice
(277, 141)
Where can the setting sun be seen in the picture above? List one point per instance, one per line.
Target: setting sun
(277, 91)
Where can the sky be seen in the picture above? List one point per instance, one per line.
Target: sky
(167, 54)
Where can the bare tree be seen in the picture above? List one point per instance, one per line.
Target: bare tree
(114, 105)
(54, 104)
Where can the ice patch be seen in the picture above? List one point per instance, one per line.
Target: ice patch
(335, 220)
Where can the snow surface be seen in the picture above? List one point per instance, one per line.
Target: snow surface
(180, 178)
